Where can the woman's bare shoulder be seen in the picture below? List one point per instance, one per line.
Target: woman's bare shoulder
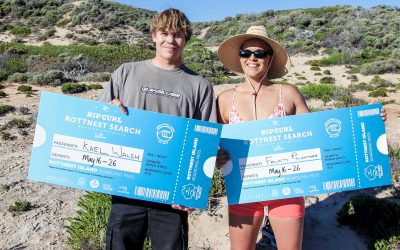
(290, 88)
(226, 94)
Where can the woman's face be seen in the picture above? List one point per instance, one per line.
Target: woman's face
(252, 66)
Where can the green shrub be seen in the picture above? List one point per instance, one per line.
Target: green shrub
(19, 206)
(301, 78)
(320, 91)
(73, 88)
(16, 51)
(113, 41)
(361, 86)
(20, 31)
(52, 78)
(318, 74)
(376, 217)
(5, 136)
(217, 188)
(24, 110)
(390, 244)
(49, 33)
(4, 109)
(327, 80)
(87, 230)
(2, 94)
(69, 35)
(94, 86)
(87, 40)
(378, 93)
(381, 67)
(327, 72)
(344, 98)
(18, 78)
(333, 59)
(394, 152)
(24, 88)
(5, 27)
(18, 123)
(315, 68)
(379, 82)
(101, 77)
(352, 78)
(12, 65)
(392, 101)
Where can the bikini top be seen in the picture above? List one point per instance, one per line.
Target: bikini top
(279, 110)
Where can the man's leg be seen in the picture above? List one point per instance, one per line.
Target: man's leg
(168, 228)
(127, 226)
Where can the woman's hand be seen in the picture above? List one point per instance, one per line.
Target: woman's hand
(383, 113)
(182, 208)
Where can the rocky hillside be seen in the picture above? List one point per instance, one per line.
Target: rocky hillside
(65, 21)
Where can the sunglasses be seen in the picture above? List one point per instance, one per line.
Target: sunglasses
(260, 54)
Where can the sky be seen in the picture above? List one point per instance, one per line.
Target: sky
(215, 10)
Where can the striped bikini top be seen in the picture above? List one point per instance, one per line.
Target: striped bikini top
(279, 110)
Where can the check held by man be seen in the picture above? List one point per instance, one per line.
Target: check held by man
(151, 156)
(321, 152)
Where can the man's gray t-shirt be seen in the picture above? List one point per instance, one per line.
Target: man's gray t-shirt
(179, 92)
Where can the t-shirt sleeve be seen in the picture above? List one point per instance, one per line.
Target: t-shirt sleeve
(208, 109)
(113, 87)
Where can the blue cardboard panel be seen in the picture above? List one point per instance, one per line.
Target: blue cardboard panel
(308, 154)
(144, 155)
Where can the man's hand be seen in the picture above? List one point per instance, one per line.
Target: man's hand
(120, 105)
(183, 208)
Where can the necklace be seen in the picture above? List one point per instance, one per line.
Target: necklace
(255, 93)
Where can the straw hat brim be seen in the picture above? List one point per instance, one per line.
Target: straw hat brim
(228, 53)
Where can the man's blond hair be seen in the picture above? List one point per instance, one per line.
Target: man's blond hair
(172, 20)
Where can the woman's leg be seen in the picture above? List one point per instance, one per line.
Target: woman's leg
(287, 221)
(243, 231)
(288, 232)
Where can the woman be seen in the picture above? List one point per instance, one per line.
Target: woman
(260, 59)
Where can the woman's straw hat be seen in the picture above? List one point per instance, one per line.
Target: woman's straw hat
(228, 52)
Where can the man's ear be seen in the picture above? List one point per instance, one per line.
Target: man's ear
(153, 36)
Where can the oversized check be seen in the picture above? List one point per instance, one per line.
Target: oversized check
(315, 153)
(145, 155)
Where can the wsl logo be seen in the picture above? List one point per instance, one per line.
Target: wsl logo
(190, 191)
(165, 133)
(333, 127)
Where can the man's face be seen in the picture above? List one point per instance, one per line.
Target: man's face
(169, 45)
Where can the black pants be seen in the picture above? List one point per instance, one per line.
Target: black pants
(130, 220)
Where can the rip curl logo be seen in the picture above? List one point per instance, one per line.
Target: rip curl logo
(333, 127)
(165, 132)
(190, 191)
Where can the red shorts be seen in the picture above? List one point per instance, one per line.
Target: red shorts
(287, 208)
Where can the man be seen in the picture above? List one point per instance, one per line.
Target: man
(162, 84)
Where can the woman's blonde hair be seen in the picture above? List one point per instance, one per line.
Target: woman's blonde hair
(172, 20)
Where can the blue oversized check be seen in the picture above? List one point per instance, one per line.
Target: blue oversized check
(322, 152)
(145, 155)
